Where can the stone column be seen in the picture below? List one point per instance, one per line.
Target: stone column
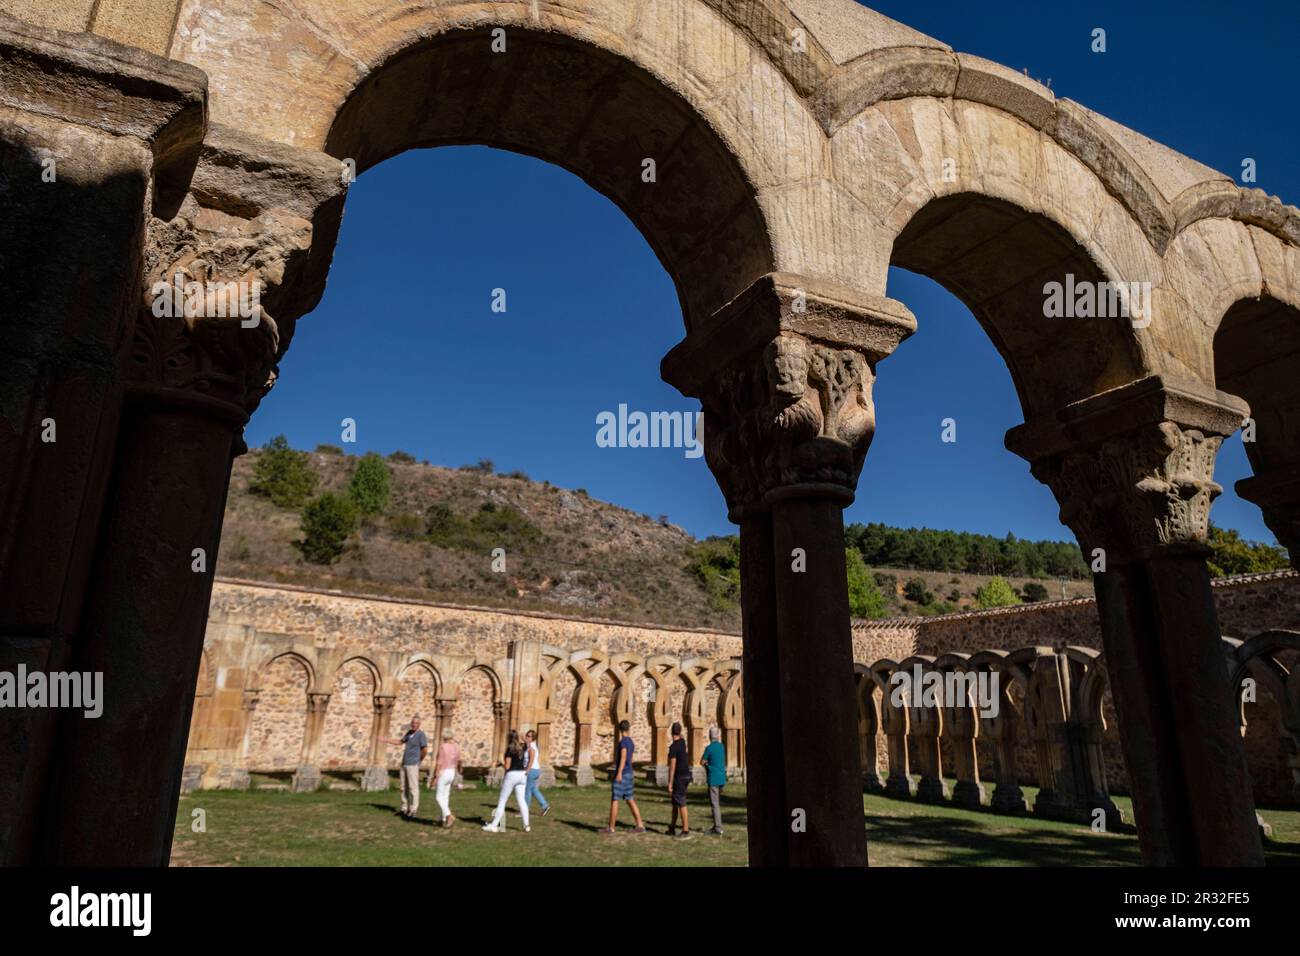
(194, 371)
(1133, 472)
(500, 732)
(1001, 730)
(307, 777)
(660, 722)
(784, 373)
(868, 728)
(960, 727)
(582, 774)
(924, 724)
(544, 754)
(894, 721)
(375, 777)
(94, 137)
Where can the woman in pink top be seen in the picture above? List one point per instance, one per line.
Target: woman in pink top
(446, 766)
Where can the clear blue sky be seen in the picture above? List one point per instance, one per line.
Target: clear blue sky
(406, 344)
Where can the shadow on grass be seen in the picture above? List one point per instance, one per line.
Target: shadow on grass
(946, 841)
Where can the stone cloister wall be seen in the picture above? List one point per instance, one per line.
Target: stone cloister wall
(274, 653)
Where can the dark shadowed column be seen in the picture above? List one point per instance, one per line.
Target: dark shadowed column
(93, 136)
(762, 688)
(819, 712)
(784, 373)
(1133, 472)
(195, 365)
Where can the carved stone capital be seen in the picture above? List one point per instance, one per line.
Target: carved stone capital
(1132, 469)
(501, 709)
(384, 703)
(785, 374)
(206, 325)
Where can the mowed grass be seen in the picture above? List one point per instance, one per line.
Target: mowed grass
(351, 828)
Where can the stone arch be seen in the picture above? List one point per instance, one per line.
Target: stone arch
(1256, 349)
(575, 102)
(997, 258)
(270, 656)
(278, 726)
(418, 687)
(1273, 659)
(478, 690)
(345, 734)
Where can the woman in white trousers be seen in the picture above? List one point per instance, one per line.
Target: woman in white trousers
(516, 779)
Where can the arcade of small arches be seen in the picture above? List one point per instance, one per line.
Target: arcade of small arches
(325, 714)
(790, 177)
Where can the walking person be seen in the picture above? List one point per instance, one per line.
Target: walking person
(516, 779)
(714, 762)
(534, 768)
(415, 744)
(622, 788)
(445, 767)
(679, 777)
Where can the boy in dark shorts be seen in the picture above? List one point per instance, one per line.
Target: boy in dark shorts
(679, 776)
(622, 789)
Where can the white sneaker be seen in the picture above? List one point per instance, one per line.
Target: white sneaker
(528, 829)
(489, 828)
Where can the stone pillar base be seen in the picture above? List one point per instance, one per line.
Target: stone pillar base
(736, 775)
(374, 779)
(657, 774)
(305, 780)
(968, 793)
(547, 777)
(1008, 800)
(191, 777)
(898, 786)
(1265, 831)
(580, 776)
(494, 777)
(871, 782)
(931, 790)
(698, 776)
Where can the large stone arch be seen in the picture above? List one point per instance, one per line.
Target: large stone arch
(1256, 351)
(278, 727)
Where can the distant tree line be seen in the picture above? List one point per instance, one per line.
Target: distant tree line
(927, 549)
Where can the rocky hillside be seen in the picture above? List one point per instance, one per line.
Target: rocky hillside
(564, 551)
(435, 535)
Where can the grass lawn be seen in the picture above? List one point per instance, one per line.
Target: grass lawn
(351, 828)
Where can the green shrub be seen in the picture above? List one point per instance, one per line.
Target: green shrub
(329, 450)
(997, 593)
(1235, 555)
(915, 590)
(865, 599)
(715, 563)
(326, 523)
(368, 487)
(492, 526)
(283, 474)
(1035, 592)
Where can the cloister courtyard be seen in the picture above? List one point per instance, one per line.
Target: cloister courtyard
(265, 827)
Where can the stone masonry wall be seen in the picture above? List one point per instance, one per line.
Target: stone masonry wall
(270, 646)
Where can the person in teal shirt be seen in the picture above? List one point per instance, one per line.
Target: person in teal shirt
(714, 761)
